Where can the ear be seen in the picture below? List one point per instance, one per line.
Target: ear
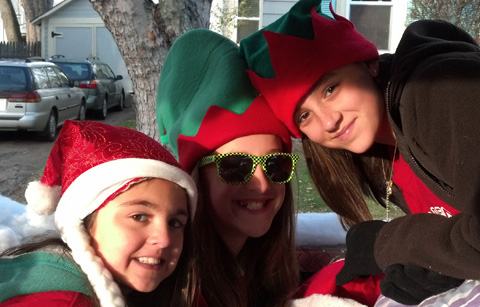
(373, 67)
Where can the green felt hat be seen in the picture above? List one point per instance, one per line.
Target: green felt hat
(205, 98)
(289, 56)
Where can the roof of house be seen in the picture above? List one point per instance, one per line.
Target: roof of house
(59, 6)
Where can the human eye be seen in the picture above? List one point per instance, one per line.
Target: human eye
(302, 117)
(139, 217)
(329, 90)
(178, 222)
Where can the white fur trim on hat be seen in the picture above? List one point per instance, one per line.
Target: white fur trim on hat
(324, 300)
(95, 185)
(41, 198)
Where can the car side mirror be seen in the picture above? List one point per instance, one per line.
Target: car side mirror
(119, 77)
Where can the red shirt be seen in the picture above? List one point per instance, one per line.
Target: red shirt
(417, 196)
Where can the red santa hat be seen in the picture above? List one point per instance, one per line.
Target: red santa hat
(89, 164)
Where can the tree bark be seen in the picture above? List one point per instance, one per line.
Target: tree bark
(10, 21)
(144, 32)
(34, 8)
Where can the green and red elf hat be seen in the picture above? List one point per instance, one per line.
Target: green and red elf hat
(205, 98)
(287, 58)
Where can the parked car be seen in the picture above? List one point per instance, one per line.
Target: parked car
(37, 96)
(103, 89)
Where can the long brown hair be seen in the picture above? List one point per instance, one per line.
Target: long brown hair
(271, 269)
(345, 179)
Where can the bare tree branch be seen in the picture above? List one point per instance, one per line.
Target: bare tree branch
(463, 13)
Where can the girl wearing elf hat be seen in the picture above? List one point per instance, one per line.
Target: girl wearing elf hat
(122, 207)
(366, 121)
(220, 130)
(223, 132)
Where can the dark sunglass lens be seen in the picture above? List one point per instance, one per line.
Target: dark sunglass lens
(279, 168)
(236, 168)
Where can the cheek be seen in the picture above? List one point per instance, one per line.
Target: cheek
(314, 132)
(110, 245)
(280, 195)
(215, 191)
(177, 245)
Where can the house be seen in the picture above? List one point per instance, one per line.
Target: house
(380, 21)
(74, 29)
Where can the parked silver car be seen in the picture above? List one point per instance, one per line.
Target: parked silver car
(37, 96)
(103, 89)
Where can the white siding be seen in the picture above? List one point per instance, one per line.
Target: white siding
(78, 9)
(274, 9)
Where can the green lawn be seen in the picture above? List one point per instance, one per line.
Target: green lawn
(306, 195)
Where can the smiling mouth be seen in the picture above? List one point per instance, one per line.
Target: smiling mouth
(343, 131)
(149, 261)
(253, 205)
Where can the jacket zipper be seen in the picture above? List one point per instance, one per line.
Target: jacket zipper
(420, 167)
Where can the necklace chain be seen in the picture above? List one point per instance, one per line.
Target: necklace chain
(388, 187)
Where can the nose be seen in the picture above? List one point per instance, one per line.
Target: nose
(159, 234)
(329, 118)
(258, 181)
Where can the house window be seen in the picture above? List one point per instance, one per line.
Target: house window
(248, 18)
(372, 18)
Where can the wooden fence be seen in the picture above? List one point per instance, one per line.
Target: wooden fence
(20, 49)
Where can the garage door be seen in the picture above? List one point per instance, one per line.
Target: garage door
(74, 42)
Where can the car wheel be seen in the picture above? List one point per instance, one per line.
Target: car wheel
(50, 131)
(103, 112)
(121, 102)
(82, 112)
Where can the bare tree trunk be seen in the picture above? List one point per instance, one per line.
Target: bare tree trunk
(34, 8)
(10, 21)
(144, 32)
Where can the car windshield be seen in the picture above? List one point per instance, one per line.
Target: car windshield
(13, 79)
(75, 71)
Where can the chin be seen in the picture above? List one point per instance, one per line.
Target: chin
(146, 288)
(257, 233)
(361, 147)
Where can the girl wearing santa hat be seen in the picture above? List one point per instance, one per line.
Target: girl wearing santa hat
(123, 208)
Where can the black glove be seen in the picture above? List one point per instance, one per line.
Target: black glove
(359, 258)
(410, 284)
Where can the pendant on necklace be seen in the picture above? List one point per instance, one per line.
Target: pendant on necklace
(387, 200)
(389, 188)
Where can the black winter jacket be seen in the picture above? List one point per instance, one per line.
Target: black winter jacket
(432, 88)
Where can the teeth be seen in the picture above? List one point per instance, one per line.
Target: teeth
(253, 205)
(151, 261)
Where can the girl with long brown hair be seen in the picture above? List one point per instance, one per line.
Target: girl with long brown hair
(123, 209)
